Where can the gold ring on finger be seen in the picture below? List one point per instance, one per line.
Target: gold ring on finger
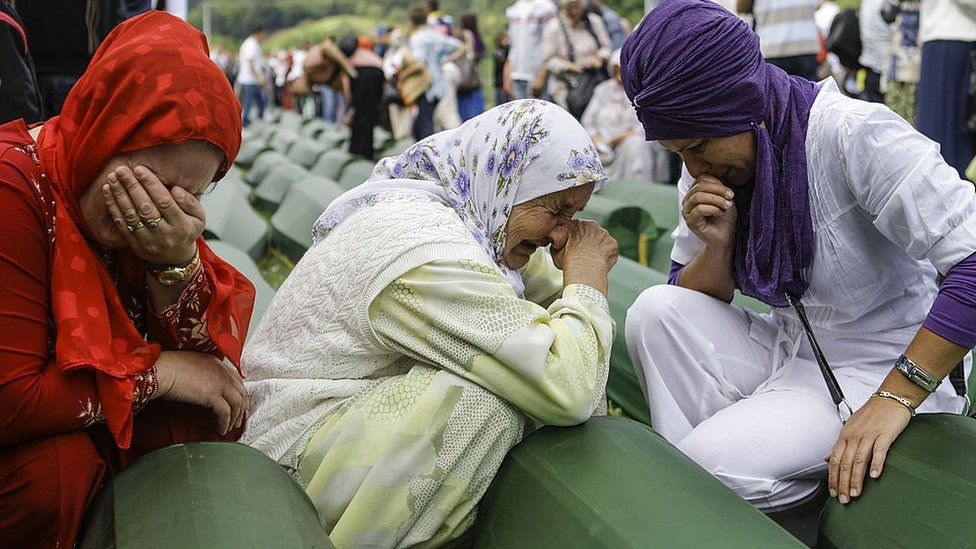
(133, 228)
(153, 223)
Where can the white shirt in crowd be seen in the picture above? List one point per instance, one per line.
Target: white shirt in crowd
(786, 27)
(947, 20)
(526, 19)
(297, 64)
(875, 36)
(250, 51)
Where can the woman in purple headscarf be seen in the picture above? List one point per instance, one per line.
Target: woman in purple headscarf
(793, 189)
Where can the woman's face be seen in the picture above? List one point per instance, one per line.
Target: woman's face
(731, 160)
(541, 222)
(191, 165)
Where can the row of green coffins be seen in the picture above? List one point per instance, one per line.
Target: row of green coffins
(609, 483)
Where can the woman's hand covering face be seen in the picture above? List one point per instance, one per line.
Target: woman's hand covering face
(709, 212)
(159, 224)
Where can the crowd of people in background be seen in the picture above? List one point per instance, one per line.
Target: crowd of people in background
(427, 76)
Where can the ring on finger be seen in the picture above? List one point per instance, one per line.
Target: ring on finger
(133, 228)
(153, 223)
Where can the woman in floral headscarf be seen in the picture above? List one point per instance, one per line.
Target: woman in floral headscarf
(411, 345)
(114, 314)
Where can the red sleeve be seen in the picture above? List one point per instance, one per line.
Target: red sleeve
(36, 399)
(183, 325)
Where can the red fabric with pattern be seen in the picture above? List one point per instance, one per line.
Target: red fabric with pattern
(150, 82)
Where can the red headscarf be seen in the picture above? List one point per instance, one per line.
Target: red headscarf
(150, 82)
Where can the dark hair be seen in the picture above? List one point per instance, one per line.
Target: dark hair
(432, 5)
(258, 29)
(418, 14)
(469, 22)
(348, 45)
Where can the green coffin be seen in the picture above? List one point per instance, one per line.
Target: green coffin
(203, 495)
(614, 483)
(658, 199)
(632, 226)
(627, 280)
(926, 496)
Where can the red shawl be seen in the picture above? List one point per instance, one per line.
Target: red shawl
(150, 82)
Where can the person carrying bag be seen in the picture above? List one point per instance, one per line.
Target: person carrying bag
(580, 74)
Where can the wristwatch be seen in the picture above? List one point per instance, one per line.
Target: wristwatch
(915, 373)
(173, 275)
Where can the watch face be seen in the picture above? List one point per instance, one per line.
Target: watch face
(171, 277)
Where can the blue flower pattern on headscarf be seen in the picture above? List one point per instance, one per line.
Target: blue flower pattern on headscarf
(481, 170)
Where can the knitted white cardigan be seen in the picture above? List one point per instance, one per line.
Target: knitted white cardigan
(314, 348)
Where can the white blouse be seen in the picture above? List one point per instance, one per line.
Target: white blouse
(887, 213)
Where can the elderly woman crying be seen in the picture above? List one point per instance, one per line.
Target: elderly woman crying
(413, 343)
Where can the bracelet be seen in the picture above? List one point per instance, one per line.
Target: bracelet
(900, 400)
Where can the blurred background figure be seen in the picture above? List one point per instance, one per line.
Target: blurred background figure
(526, 19)
(947, 33)
(63, 35)
(333, 102)
(875, 49)
(502, 69)
(575, 49)
(904, 60)
(382, 42)
(280, 64)
(471, 95)
(432, 47)
(618, 28)
(250, 75)
(365, 92)
(618, 134)
(19, 94)
(787, 33)
(401, 116)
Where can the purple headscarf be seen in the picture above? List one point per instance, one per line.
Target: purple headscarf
(692, 69)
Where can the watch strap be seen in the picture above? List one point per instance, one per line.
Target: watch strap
(917, 374)
(174, 274)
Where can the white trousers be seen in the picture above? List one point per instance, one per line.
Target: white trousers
(741, 394)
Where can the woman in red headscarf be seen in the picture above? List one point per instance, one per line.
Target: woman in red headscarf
(114, 314)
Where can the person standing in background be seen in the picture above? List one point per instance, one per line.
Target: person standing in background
(471, 102)
(502, 72)
(19, 96)
(250, 75)
(902, 70)
(827, 11)
(526, 19)
(618, 28)
(431, 47)
(280, 66)
(875, 48)
(366, 92)
(947, 33)
(332, 100)
(787, 33)
(397, 55)
(574, 45)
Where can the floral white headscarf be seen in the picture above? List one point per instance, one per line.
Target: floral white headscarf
(509, 155)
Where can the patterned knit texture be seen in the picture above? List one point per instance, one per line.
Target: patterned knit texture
(314, 346)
